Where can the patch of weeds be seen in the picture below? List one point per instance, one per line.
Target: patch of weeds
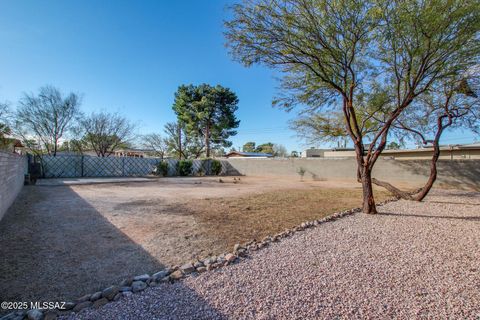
(301, 172)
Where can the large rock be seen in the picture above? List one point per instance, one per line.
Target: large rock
(34, 314)
(50, 315)
(143, 277)
(242, 252)
(176, 275)
(187, 268)
(69, 305)
(210, 260)
(138, 286)
(126, 282)
(230, 257)
(82, 305)
(96, 296)
(110, 292)
(11, 316)
(160, 275)
(83, 298)
(17, 315)
(100, 302)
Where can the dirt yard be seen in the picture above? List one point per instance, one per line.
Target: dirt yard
(60, 242)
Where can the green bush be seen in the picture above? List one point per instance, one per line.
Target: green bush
(162, 168)
(184, 167)
(216, 167)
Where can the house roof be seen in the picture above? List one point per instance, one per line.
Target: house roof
(134, 150)
(430, 148)
(472, 145)
(249, 154)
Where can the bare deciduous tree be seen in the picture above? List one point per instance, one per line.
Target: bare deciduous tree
(181, 143)
(156, 143)
(104, 132)
(279, 150)
(46, 117)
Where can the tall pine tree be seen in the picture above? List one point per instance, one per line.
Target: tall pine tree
(208, 112)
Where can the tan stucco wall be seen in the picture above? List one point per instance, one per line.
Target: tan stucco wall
(444, 154)
(417, 154)
(456, 173)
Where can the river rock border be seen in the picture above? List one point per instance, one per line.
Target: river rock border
(139, 283)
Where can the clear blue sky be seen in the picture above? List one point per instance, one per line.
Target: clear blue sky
(130, 56)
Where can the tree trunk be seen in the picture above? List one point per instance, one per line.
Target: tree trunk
(207, 140)
(421, 193)
(179, 142)
(406, 195)
(431, 179)
(433, 172)
(368, 200)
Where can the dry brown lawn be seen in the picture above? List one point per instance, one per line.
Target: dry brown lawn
(240, 219)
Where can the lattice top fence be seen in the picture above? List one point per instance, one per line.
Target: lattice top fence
(74, 166)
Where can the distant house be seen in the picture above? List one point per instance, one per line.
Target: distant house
(326, 153)
(447, 152)
(134, 153)
(466, 151)
(313, 153)
(10, 144)
(239, 154)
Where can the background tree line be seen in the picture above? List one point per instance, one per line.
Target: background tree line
(276, 150)
(50, 121)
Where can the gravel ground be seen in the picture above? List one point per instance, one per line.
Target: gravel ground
(413, 260)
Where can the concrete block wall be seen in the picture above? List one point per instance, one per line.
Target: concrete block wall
(463, 174)
(12, 175)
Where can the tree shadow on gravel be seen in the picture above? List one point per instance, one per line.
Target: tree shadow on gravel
(411, 215)
(167, 301)
(55, 246)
